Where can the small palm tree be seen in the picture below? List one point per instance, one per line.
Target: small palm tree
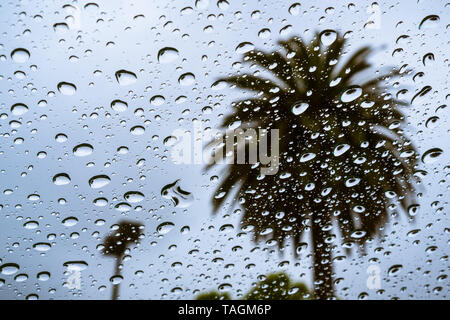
(343, 155)
(278, 286)
(274, 286)
(116, 243)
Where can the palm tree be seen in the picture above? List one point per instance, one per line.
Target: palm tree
(274, 286)
(344, 158)
(278, 286)
(116, 243)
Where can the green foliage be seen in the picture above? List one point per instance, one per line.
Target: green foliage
(278, 286)
(213, 295)
(275, 286)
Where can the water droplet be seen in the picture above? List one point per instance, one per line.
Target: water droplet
(66, 88)
(167, 55)
(99, 181)
(20, 55)
(170, 141)
(180, 198)
(165, 227)
(295, 9)
(100, 202)
(244, 47)
(428, 59)
(432, 122)
(70, 221)
(341, 149)
(327, 37)
(9, 268)
(187, 79)
(126, 78)
(351, 94)
(43, 276)
(30, 225)
(42, 246)
(19, 109)
(116, 279)
(299, 108)
(75, 265)
(413, 209)
(421, 93)
(157, 100)
(61, 179)
(137, 130)
(61, 137)
(430, 21)
(431, 155)
(83, 150)
(134, 196)
(395, 269)
(119, 105)
(307, 156)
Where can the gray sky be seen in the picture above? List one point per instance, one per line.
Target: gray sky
(128, 35)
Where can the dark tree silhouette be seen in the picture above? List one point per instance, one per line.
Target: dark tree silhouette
(344, 158)
(116, 243)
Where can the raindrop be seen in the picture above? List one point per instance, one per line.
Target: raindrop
(157, 100)
(395, 269)
(307, 156)
(341, 149)
(61, 137)
(134, 196)
(99, 181)
(83, 150)
(295, 9)
(70, 221)
(428, 59)
(42, 246)
(421, 93)
(43, 276)
(180, 198)
(327, 37)
(431, 123)
(20, 55)
(431, 155)
(125, 78)
(165, 227)
(119, 105)
(66, 88)
(167, 55)
(299, 108)
(137, 130)
(19, 109)
(351, 94)
(187, 79)
(61, 179)
(9, 268)
(75, 265)
(244, 47)
(429, 21)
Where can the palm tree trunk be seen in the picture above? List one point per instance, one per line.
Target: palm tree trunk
(115, 289)
(323, 265)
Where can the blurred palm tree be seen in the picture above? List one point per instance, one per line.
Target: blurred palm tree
(278, 286)
(116, 243)
(274, 286)
(344, 158)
